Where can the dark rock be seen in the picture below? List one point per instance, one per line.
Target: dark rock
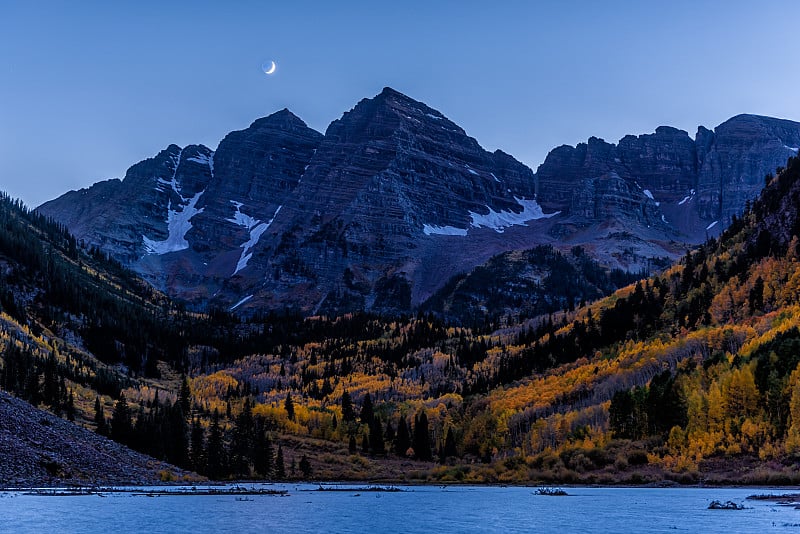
(727, 505)
(40, 449)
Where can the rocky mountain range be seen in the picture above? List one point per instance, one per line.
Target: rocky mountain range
(395, 199)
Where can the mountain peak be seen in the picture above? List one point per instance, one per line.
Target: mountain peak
(281, 120)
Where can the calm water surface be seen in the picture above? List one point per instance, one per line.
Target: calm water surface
(415, 510)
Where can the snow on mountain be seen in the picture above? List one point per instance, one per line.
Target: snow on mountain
(499, 221)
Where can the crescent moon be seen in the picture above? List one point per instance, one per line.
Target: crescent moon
(269, 68)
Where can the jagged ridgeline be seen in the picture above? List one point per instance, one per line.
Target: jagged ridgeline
(394, 199)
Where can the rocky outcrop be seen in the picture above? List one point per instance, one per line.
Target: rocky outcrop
(696, 184)
(40, 449)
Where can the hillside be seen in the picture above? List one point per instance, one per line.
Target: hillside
(689, 375)
(39, 449)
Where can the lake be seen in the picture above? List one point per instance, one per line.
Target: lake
(416, 509)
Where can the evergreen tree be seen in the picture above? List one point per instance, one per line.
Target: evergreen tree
(351, 444)
(367, 413)
(197, 453)
(100, 418)
(376, 436)
(280, 467)
(185, 396)
(70, 407)
(403, 440)
(121, 428)
(262, 450)
(215, 450)
(242, 441)
(449, 445)
(365, 443)
(422, 439)
(178, 444)
(289, 406)
(348, 414)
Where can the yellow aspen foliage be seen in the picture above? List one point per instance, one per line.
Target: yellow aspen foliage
(716, 409)
(741, 394)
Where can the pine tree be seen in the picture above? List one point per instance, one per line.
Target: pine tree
(185, 396)
(367, 413)
(70, 407)
(262, 450)
(100, 418)
(121, 428)
(197, 453)
(280, 467)
(177, 440)
(422, 440)
(289, 406)
(450, 444)
(242, 441)
(403, 440)
(215, 451)
(348, 414)
(376, 436)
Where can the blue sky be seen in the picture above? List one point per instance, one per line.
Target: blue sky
(89, 88)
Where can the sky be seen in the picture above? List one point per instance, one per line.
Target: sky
(89, 88)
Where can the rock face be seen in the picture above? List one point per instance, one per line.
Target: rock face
(387, 175)
(38, 448)
(694, 183)
(395, 199)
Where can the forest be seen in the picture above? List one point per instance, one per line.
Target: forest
(691, 374)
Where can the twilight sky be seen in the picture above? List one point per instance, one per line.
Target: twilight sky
(88, 88)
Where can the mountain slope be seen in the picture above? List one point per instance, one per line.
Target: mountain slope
(38, 449)
(395, 199)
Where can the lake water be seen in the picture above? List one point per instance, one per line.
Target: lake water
(427, 509)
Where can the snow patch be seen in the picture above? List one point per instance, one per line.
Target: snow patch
(256, 228)
(495, 177)
(432, 116)
(648, 194)
(499, 221)
(178, 225)
(792, 148)
(712, 225)
(685, 199)
(204, 159)
(248, 297)
(471, 171)
(432, 229)
(664, 220)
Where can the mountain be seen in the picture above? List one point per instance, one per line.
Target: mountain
(395, 199)
(518, 285)
(695, 185)
(689, 375)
